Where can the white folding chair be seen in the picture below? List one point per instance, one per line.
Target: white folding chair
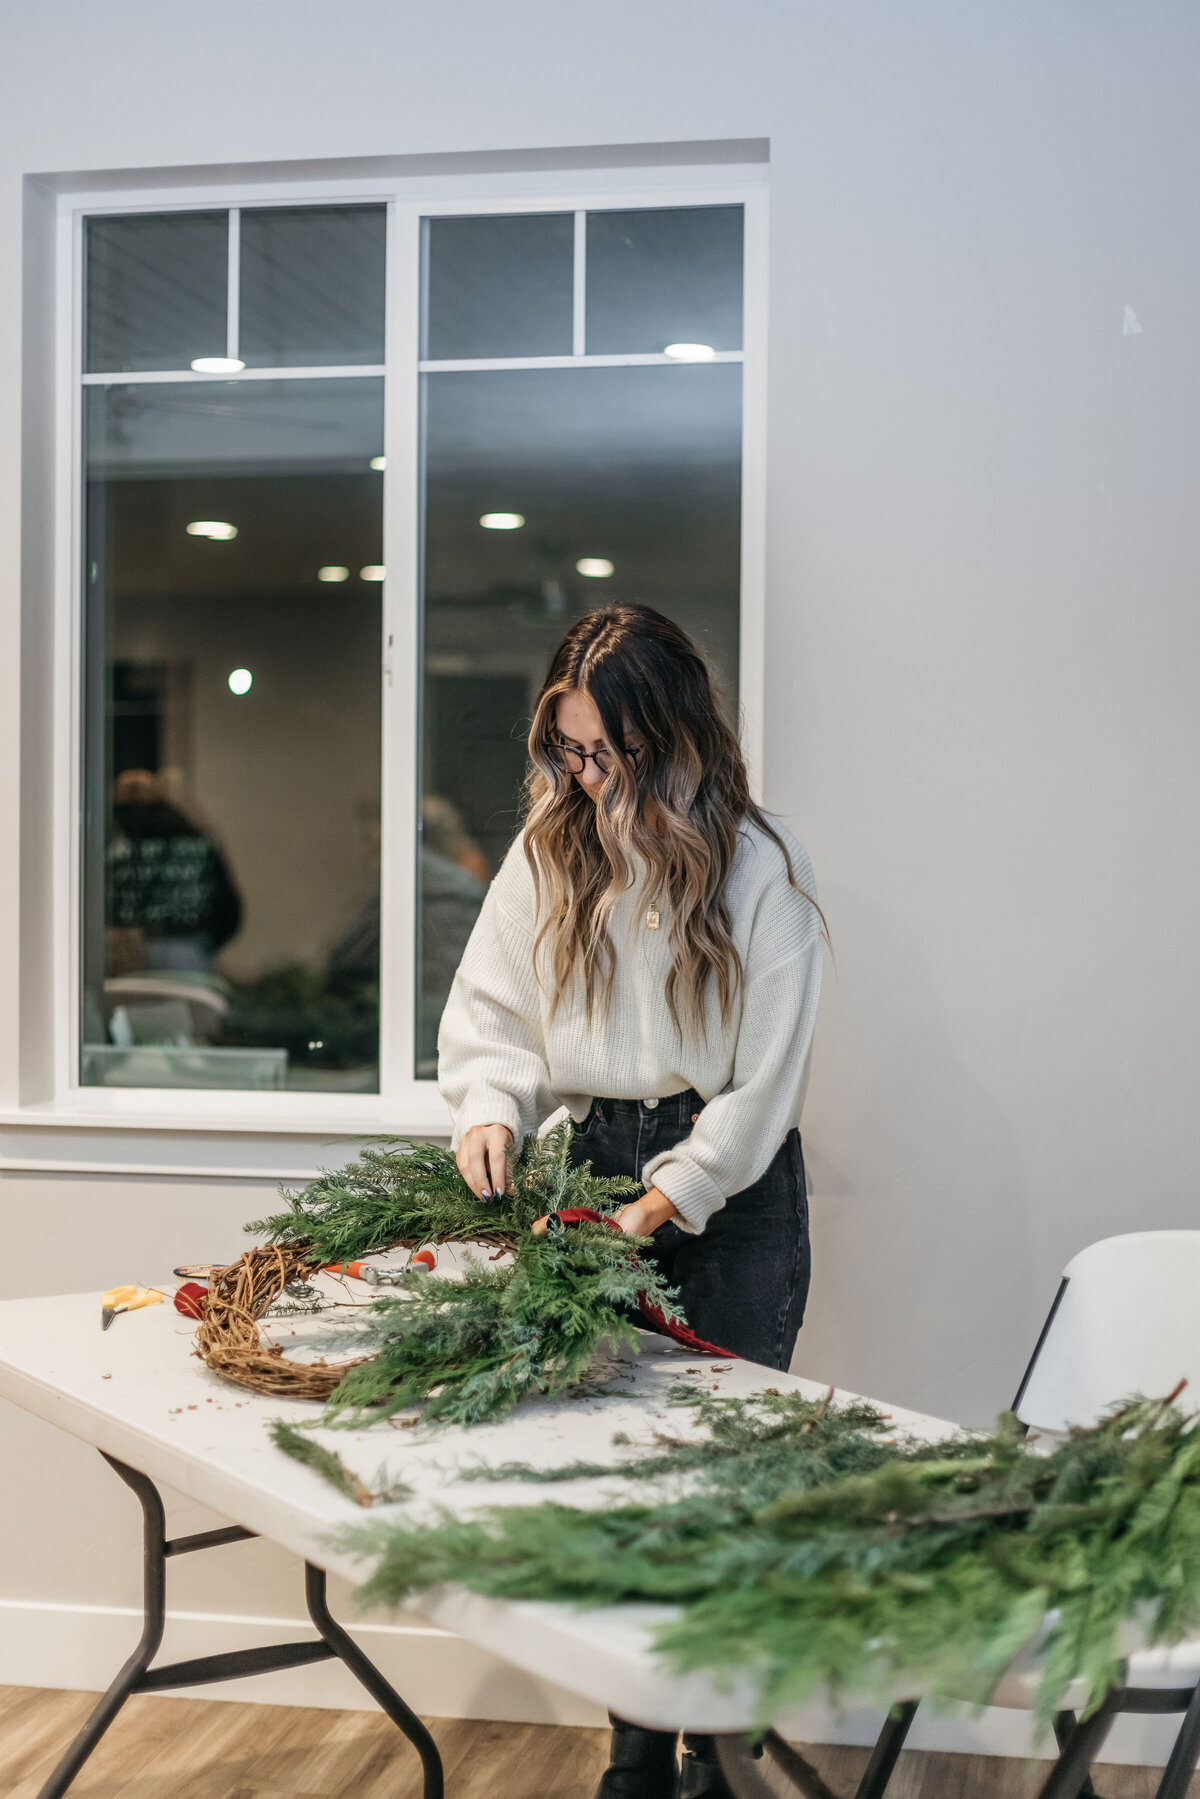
(1125, 1320)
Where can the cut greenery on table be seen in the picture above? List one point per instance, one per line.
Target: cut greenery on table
(464, 1349)
(806, 1544)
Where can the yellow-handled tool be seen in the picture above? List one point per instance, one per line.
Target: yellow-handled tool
(125, 1299)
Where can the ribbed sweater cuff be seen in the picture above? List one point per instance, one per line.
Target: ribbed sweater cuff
(693, 1193)
(487, 1105)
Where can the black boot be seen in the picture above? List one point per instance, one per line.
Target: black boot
(641, 1763)
(700, 1775)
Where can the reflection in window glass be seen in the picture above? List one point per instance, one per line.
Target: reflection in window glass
(312, 286)
(500, 286)
(638, 468)
(664, 277)
(232, 735)
(156, 290)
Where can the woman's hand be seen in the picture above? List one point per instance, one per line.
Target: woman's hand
(482, 1158)
(638, 1219)
(643, 1216)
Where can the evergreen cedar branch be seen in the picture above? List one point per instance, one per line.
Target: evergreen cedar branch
(469, 1349)
(805, 1545)
(326, 1462)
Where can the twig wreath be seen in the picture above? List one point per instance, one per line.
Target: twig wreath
(228, 1339)
(464, 1349)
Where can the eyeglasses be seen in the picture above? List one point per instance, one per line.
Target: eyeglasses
(567, 756)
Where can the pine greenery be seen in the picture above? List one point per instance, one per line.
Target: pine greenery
(325, 1462)
(806, 1546)
(397, 1191)
(470, 1349)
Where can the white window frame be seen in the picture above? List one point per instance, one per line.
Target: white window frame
(403, 1104)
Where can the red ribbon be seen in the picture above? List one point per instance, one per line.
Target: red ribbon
(653, 1314)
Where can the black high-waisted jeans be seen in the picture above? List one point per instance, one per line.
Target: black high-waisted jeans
(743, 1281)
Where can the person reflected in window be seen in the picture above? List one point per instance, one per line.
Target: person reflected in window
(454, 878)
(171, 901)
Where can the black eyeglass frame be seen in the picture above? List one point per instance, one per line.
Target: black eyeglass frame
(566, 751)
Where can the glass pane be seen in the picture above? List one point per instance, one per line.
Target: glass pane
(637, 469)
(500, 286)
(232, 735)
(156, 290)
(312, 286)
(659, 278)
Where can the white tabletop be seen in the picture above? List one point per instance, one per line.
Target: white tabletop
(137, 1392)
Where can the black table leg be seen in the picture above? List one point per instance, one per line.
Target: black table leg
(137, 1676)
(154, 1593)
(1083, 1744)
(384, 1695)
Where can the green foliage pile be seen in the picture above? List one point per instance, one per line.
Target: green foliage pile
(805, 1546)
(470, 1349)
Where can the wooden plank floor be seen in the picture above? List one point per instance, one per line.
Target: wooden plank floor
(213, 1749)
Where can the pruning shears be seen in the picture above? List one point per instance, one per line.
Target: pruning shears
(126, 1299)
(423, 1261)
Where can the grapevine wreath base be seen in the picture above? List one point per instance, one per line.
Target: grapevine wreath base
(464, 1349)
(228, 1339)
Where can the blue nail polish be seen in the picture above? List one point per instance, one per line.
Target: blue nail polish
(486, 1193)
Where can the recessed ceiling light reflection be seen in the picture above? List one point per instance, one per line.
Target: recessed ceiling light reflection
(379, 463)
(690, 352)
(598, 567)
(502, 521)
(218, 365)
(215, 528)
(240, 681)
(333, 571)
(374, 571)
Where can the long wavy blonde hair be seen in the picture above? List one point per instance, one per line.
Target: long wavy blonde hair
(633, 663)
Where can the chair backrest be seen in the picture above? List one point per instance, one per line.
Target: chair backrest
(1126, 1320)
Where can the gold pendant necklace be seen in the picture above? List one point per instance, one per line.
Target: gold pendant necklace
(652, 918)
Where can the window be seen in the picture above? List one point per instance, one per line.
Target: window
(300, 754)
(605, 465)
(231, 632)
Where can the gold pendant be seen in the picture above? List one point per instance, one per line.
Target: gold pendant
(652, 919)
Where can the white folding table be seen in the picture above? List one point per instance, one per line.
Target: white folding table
(139, 1396)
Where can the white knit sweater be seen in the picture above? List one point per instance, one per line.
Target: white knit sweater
(499, 1062)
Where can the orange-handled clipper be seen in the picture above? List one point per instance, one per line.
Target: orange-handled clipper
(125, 1299)
(422, 1262)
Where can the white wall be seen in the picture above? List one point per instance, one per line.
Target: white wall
(981, 638)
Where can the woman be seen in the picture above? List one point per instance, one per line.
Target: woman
(645, 867)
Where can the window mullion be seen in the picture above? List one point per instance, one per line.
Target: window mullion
(402, 650)
(579, 323)
(233, 327)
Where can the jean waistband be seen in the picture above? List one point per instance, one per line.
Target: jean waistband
(676, 1106)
